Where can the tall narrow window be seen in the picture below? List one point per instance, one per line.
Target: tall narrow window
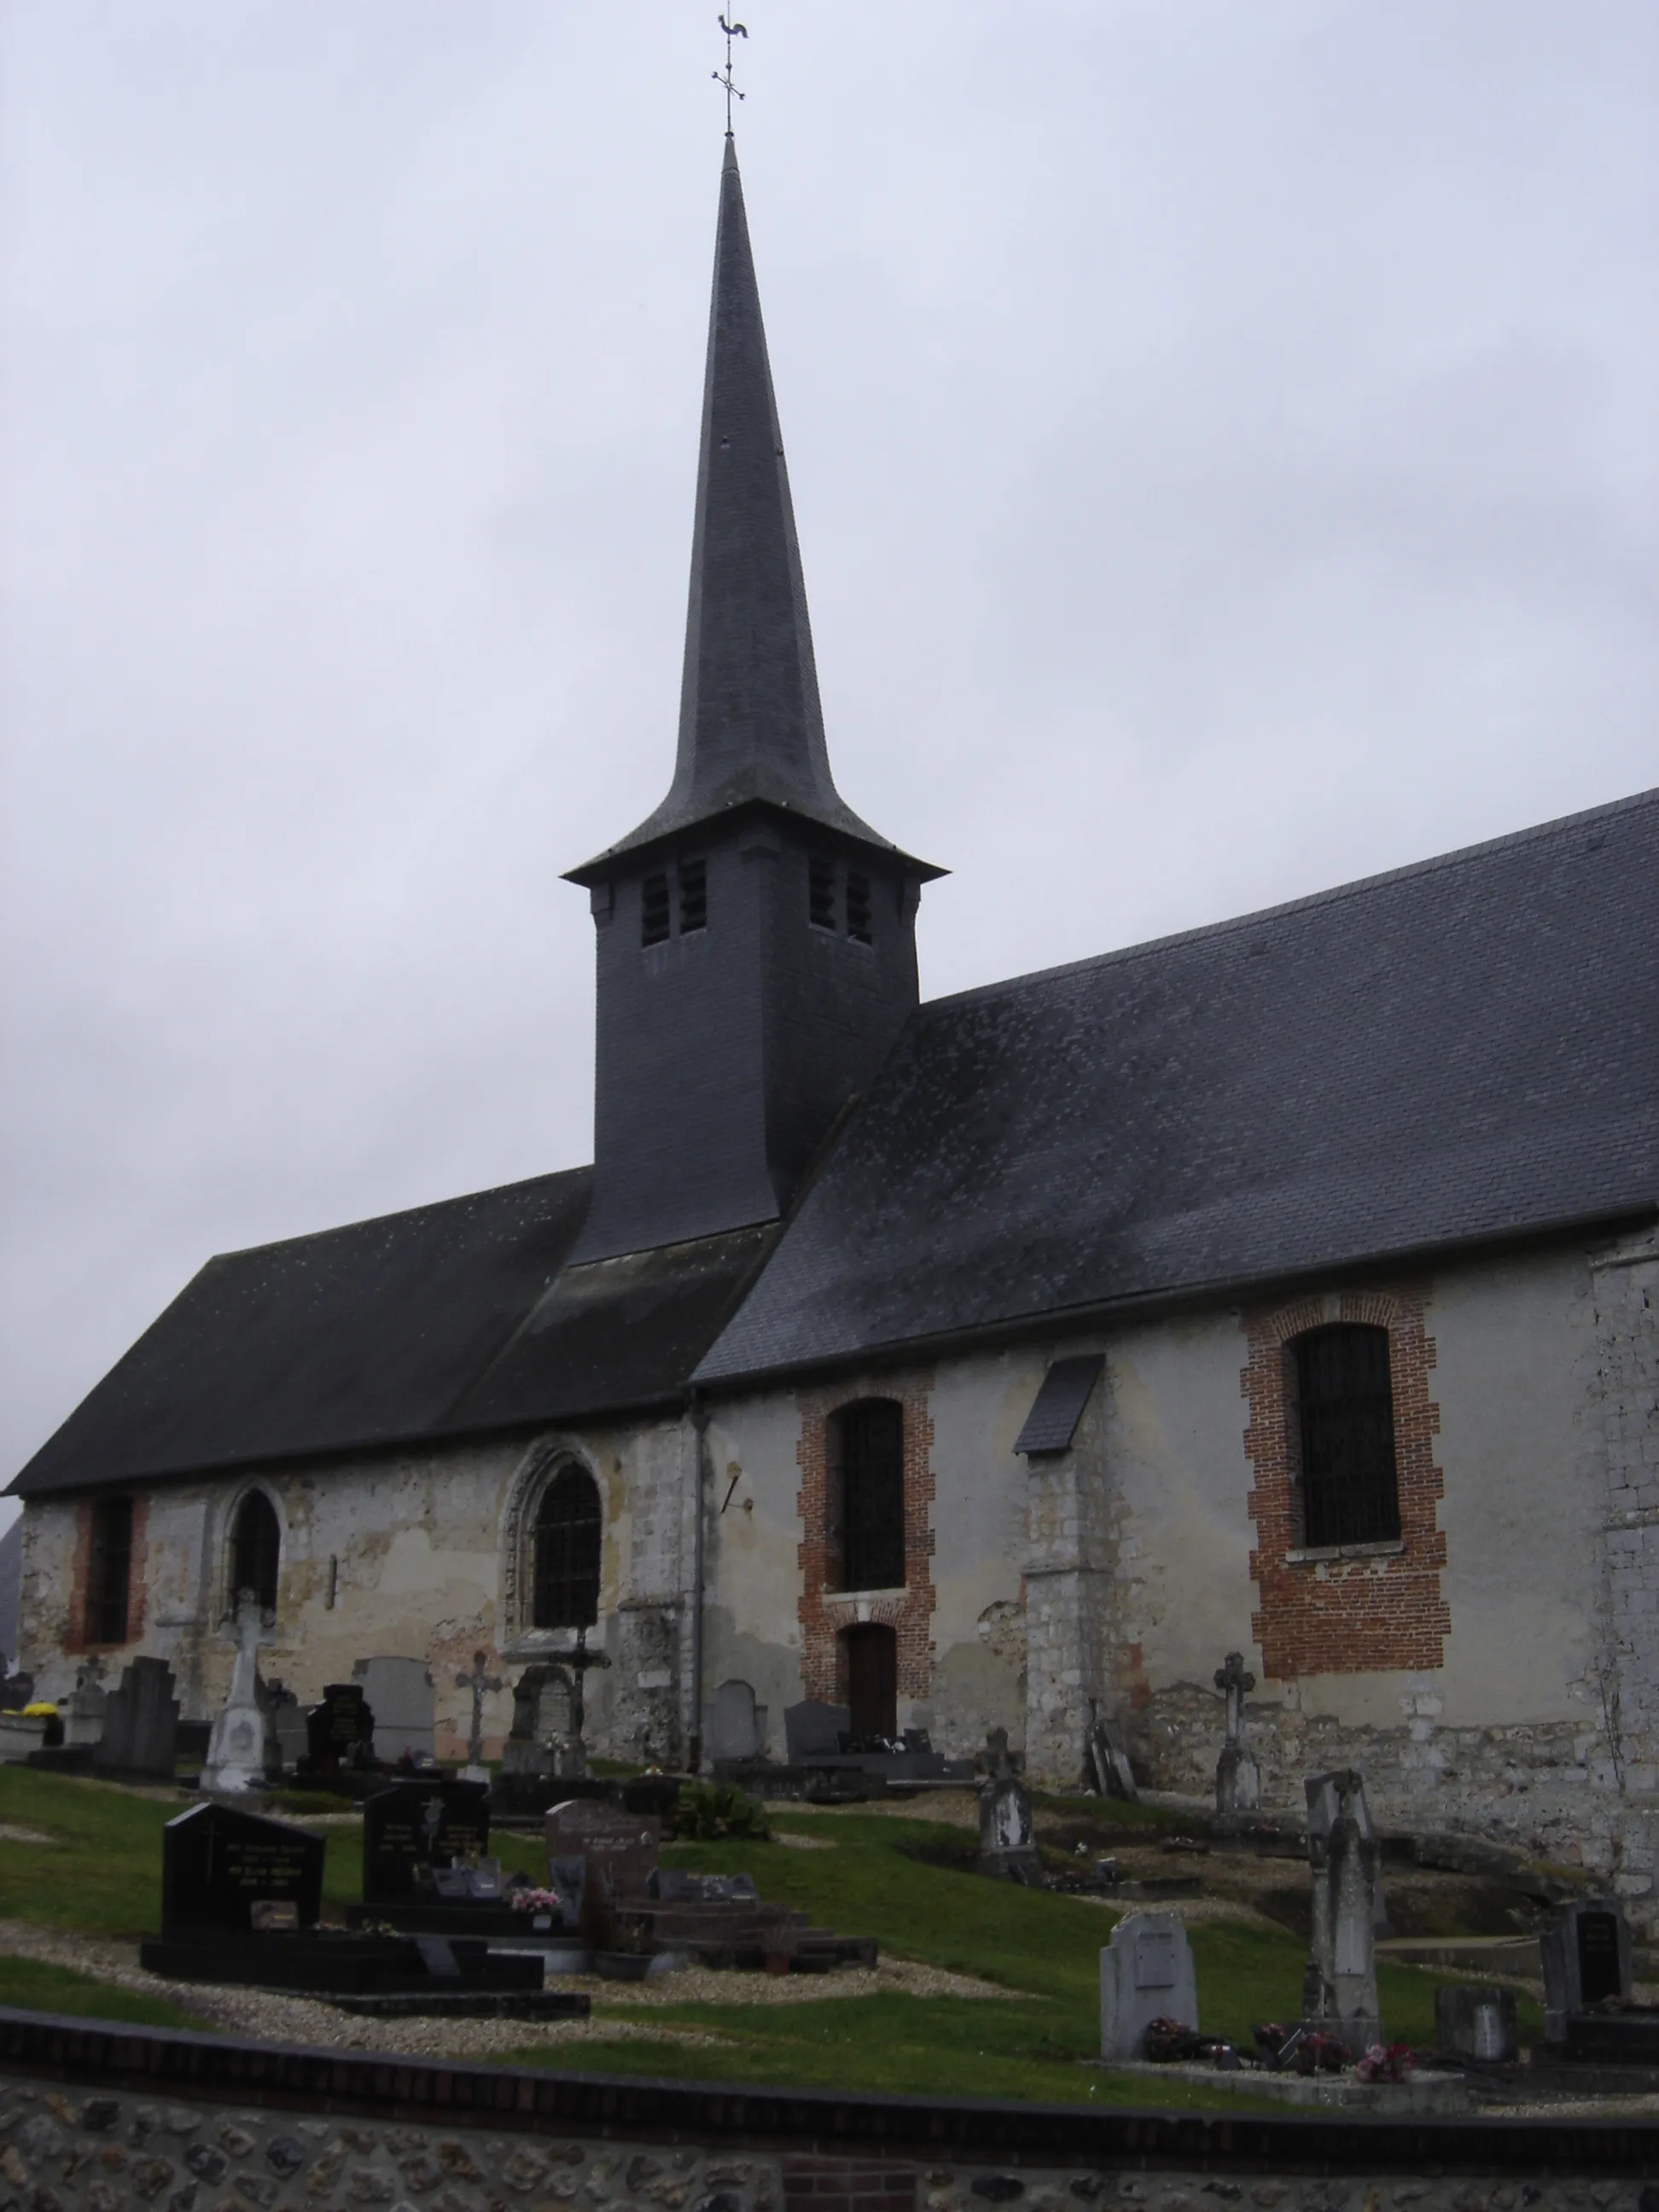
(109, 1570)
(858, 906)
(821, 893)
(868, 1452)
(569, 1528)
(1346, 1407)
(693, 897)
(256, 1546)
(653, 910)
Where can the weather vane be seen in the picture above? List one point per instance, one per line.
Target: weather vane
(732, 31)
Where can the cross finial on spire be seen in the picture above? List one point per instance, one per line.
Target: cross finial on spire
(732, 31)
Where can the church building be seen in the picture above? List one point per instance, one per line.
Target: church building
(1285, 1287)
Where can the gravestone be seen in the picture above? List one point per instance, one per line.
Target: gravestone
(481, 1684)
(17, 1692)
(1007, 1850)
(340, 1728)
(813, 1730)
(740, 1724)
(1342, 1851)
(222, 1872)
(416, 1828)
(400, 1696)
(1587, 1959)
(1146, 1974)
(541, 1714)
(620, 1848)
(1108, 1758)
(287, 1723)
(1237, 1777)
(1476, 2022)
(141, 1724)
(242, 1751)
(83, 1710)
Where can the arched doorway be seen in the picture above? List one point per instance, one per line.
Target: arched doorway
(872, 1679)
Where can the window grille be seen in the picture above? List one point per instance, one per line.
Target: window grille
(110, 1570)
(871, 1440)
(821, 893)
(653, 910)
(858, 906)
(1346, 1403)
(568, 1529)
(256, 1546)
(693, 897)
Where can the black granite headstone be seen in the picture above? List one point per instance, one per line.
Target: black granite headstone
(218, 1864)
(339, 1730)
(414, 1828)
(1599, 1973)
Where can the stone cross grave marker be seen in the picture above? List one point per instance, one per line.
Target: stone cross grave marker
(340, 1728)
(141, 1724)
(400, 1696)
(1587, 1958)
(1007, 1849)
(1146, 1974)
(480, 1683)
(241, 1751)
(1237, 1777)
(619, 1847)
(1342, 1851)
(225, 1872)
(414, 1828)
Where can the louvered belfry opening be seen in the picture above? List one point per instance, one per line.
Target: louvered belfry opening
(569, 1526)
(109, 1570)
(256, 1548)
(868, 1450)
(1345, 1398)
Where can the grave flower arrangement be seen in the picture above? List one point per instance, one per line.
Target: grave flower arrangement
(536, 1900)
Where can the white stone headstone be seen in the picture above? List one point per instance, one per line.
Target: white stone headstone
(1146, 1974)
(400, 1696)
(242, 1751)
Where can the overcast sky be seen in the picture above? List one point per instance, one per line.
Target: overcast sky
(1223, 439)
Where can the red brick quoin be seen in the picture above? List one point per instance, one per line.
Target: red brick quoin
(80, 1569)
(822, 1613)
(1355, 1615)
(848, 2184)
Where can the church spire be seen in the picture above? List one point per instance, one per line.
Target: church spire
(752, 729)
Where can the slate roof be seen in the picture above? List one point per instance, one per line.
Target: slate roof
(1461, 1051)
(442, 1322)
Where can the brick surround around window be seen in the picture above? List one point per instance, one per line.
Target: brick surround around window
(824, 1613)
(1373, 1608)
(76, 1639)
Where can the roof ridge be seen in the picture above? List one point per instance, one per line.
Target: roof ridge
(396, 1213)
(1361, 884)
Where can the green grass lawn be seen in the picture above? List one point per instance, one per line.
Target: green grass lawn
(35, 1986)
(102, 1872)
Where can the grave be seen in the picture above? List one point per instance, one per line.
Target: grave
(82, 1712)
(1109, 1760)
(414, 1835)
(1146, 1974)
(1588, 2009)
(540, 1698)
(340, 1731)
(399, 1694)
(1237, 1777)
(619, 1848)
(1341, 1994)
(480, 1683)
(1007, 1851)
(240, 1896)
(1476, 2023)
(738, 1730)
(242, 1752)
(141, 1725)
(287, 1721)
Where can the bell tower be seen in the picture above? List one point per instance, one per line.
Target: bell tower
(755, 939)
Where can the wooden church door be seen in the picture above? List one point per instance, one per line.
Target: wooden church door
(872, 1680)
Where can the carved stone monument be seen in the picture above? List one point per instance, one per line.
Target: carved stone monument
(400, 1696)
(479, 1682)
(1342, 1850)
(1146, 1974)
(1237, 1777)
(83, 1711)
(141, 1724)
(242, 1751)
(1007, 1851)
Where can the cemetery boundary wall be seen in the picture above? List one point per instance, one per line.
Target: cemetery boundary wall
(95, 2117)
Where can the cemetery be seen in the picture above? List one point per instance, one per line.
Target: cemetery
(1082, 1947)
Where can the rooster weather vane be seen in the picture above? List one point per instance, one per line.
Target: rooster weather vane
(724, 77)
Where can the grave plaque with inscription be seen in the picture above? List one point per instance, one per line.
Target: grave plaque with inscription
(620, 1847)
(417, 1829)
(218, 1864)
(340, 1729)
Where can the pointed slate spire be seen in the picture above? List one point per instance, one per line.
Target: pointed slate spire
(752, 729)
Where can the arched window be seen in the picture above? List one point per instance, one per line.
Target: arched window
(1344, 1402)
(569, 1528)
(256, 1551)
(867, 1453)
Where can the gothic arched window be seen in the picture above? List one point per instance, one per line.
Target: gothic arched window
(867, 1455)
(569, 1528)
(256, 1551)
(1345, 1405)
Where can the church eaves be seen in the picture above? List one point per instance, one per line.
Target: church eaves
(751, 728)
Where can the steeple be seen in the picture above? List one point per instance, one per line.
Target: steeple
(755, 939)
(751, 728)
